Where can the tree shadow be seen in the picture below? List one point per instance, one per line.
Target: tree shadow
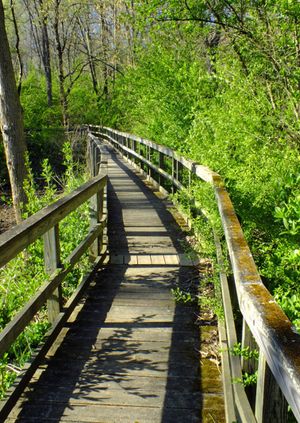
(130, 347)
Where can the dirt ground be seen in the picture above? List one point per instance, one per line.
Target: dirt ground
(7, 218)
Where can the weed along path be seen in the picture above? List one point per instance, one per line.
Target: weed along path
(130, 353)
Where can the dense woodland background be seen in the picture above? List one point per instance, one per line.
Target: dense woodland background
(217, 80)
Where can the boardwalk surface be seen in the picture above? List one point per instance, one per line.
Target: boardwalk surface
(129, 353)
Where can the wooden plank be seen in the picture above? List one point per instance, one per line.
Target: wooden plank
(95, 217)
(269, 408)
(105, 414)
(130, 259)
(137, 397)
(241, 402)
(52, 263)
(30, 367)
(16, 239)
(171, 259)
(271, 328)
(202, 172)
(86, 242)
(144, 260)
(157, 259)
(149, 164)
(226, 376)
(26, 314)
(143, 355)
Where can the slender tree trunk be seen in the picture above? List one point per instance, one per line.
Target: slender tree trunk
(17, 46)
(104, 42)
(46, 57)
(61, 75)
(38, 13)
(11, 122)
(86, 37)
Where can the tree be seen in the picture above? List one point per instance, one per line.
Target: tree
(38, 11)
(11, 122)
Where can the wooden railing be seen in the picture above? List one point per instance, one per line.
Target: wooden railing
(45, 223)
(263, 324)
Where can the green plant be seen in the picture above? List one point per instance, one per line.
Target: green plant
(245, 352)
(22, 276)
(247, 379)
(182, 296)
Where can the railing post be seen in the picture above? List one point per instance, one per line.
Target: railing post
(173, 173)
(89, 155)
(248, 365)
(52, 263)
(149, 158)
(270, 404)
(96, 212)
(161, 166)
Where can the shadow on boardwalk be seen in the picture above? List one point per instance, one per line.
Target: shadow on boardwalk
(131, 354)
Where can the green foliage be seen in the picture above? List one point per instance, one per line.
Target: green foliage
(83, 103)
(245, 352)
(247, 379)
(182, 296)
(231, 103)
(37, 113)
(22, 276)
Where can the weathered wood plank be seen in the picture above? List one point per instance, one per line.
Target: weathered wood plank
(269, 408)
(105, 414)
(172, 259)
(26, 314)
(272, 330)
(23, 379)
(121, 362)
(52, 263)
(16, 239)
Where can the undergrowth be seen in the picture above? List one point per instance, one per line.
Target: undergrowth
(22, 277)
(197, 204)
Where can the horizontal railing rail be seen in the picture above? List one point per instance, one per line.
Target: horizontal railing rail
(264, 325)
(45, 224)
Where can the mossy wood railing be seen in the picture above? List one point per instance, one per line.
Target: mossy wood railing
(45, 224)
(263, 325)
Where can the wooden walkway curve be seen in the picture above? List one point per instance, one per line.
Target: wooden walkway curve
(129, 353)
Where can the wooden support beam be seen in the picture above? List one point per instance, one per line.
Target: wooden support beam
(52, 264)
(19, 237)
(270, 405)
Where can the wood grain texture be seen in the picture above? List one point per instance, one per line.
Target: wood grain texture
(17, 238)
(273, 332)
(129, 353)
(52, 263)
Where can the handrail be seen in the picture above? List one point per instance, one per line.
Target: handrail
(45, 223)
(263, 319)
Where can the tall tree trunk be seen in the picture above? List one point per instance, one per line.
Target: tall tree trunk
(17, 46)
(11, 122)
(46, 55)
(104, 42)
(38, 13)
(61, 74)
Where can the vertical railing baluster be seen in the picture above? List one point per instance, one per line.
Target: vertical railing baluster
(249, 362)
(249, 365)
(173, 173)
(52, 263)
(270, 404)
(161, 166)
(149, 158)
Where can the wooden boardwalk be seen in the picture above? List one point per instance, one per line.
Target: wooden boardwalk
(129, 353)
